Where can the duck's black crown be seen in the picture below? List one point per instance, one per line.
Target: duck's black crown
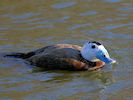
(95, 42)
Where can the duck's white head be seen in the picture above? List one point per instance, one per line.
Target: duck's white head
(93, 51)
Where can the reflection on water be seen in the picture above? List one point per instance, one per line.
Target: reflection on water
(27, 25)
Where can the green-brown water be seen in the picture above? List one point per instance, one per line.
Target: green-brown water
(26, 25)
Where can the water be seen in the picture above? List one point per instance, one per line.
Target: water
(28, 25)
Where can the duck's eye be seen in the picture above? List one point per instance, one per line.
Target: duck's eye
(104, 56)
(93, 46)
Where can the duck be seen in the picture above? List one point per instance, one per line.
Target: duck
(91, 56)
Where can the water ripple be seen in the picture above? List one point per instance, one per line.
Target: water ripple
(33, 28)
(116, 19)
(50, 21)
(112, 1)
(88, 13)
(109, 35)
(19, 88)
(26, 20)
(110, 27)
(4, 28)
(118, 86)
(76, 26)
(63, 5)
(29, 77)
(126, 9)
(6, 98)
(22, 16)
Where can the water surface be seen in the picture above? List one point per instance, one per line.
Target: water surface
(28, 25)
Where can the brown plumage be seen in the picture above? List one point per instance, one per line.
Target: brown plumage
(60, 56)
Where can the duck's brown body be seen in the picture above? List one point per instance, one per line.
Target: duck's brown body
(61, 56)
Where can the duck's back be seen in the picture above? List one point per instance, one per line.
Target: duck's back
(59, 51)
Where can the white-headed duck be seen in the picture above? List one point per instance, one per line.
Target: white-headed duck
(91, 56)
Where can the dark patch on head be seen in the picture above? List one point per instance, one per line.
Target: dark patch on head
(96, 42)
